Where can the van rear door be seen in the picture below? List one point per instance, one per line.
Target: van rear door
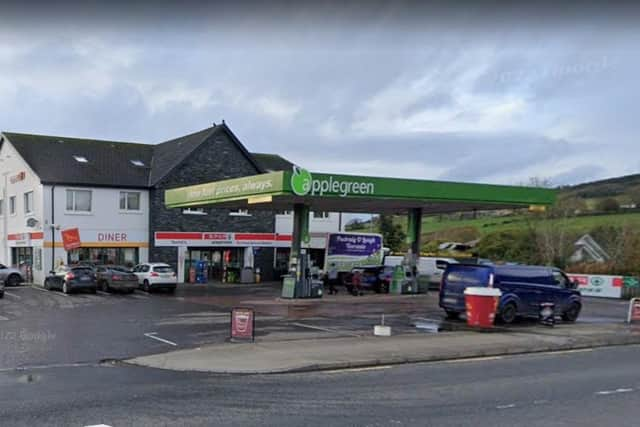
(456, 279)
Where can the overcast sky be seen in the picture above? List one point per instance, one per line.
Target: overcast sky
(474, 93)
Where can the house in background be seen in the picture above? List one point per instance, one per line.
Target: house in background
(588, 250)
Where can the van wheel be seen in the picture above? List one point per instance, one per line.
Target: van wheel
(572, 313)
(509, 313)
(452, 315)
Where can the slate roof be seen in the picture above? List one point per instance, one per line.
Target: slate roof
(109, 162)
(272, 162)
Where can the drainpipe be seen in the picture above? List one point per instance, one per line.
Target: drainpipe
(53, 230)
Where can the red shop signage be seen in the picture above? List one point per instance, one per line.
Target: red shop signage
(243, 322)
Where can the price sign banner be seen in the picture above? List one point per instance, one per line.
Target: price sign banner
(242, 324)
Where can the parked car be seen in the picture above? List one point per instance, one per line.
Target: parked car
(523, 289)
(430, 269)
(69, 279)
(10, 276)
(116, 278)
(376, 278)
(156, 276)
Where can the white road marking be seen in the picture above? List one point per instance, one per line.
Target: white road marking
(4, 318)
(474, 359)
(98, 425)
(40, 288)
(511, 405)
(540, 402)
(372, 368)
(36, 367)
(618, 390)
(152, 335)
(9, 294)
(102, 292)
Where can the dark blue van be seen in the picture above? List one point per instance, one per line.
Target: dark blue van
(523, 289)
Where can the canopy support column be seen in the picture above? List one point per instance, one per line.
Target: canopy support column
(299, 283)
(414, 231)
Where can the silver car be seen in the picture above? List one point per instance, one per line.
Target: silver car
(10, 277)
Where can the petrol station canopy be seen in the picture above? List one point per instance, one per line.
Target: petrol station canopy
(349, 193)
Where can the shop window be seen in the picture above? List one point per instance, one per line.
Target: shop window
(28, 202)
(78, 200)
(130, 201)
(194, 211)
(12, 205)
(321, 215)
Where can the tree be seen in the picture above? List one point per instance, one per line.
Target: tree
(608, 205)
(392, 234)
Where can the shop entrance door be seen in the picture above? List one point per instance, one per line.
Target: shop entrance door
(23, 260)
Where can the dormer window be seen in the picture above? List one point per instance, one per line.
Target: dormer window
(138, 163)
(81, 159)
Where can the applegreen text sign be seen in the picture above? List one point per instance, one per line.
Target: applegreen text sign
(302, 183)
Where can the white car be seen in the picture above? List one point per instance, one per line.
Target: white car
(156, 275)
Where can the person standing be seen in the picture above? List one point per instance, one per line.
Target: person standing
(333, 279)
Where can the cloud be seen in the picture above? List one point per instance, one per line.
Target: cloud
(468, 94)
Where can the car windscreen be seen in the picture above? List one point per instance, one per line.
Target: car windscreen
(120, 269)
(163, 269)
(468, 275)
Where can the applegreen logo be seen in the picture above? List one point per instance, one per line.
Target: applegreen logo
(597, 281)
(300, 181)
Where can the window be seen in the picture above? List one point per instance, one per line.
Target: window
(81, 159)
(321, 215)
(240, 212)
(560, 279)
(78, 200)
(194, 211)
(28, 202)
(12, 205)
(129, 201)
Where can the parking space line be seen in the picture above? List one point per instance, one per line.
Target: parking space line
(152, 335)
(40, 288)
(4, 318)
(9, 294)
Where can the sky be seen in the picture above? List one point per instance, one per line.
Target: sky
(480, 92)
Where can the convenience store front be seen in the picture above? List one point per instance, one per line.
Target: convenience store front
(220, 256)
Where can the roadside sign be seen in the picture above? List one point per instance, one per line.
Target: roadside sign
(634, 310)
(593, 285)
(242, 324)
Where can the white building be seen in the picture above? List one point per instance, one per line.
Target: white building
(36, 208)
(52, 187)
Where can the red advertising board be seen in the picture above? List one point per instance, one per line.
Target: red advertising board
(242, 324)
(70, 238)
